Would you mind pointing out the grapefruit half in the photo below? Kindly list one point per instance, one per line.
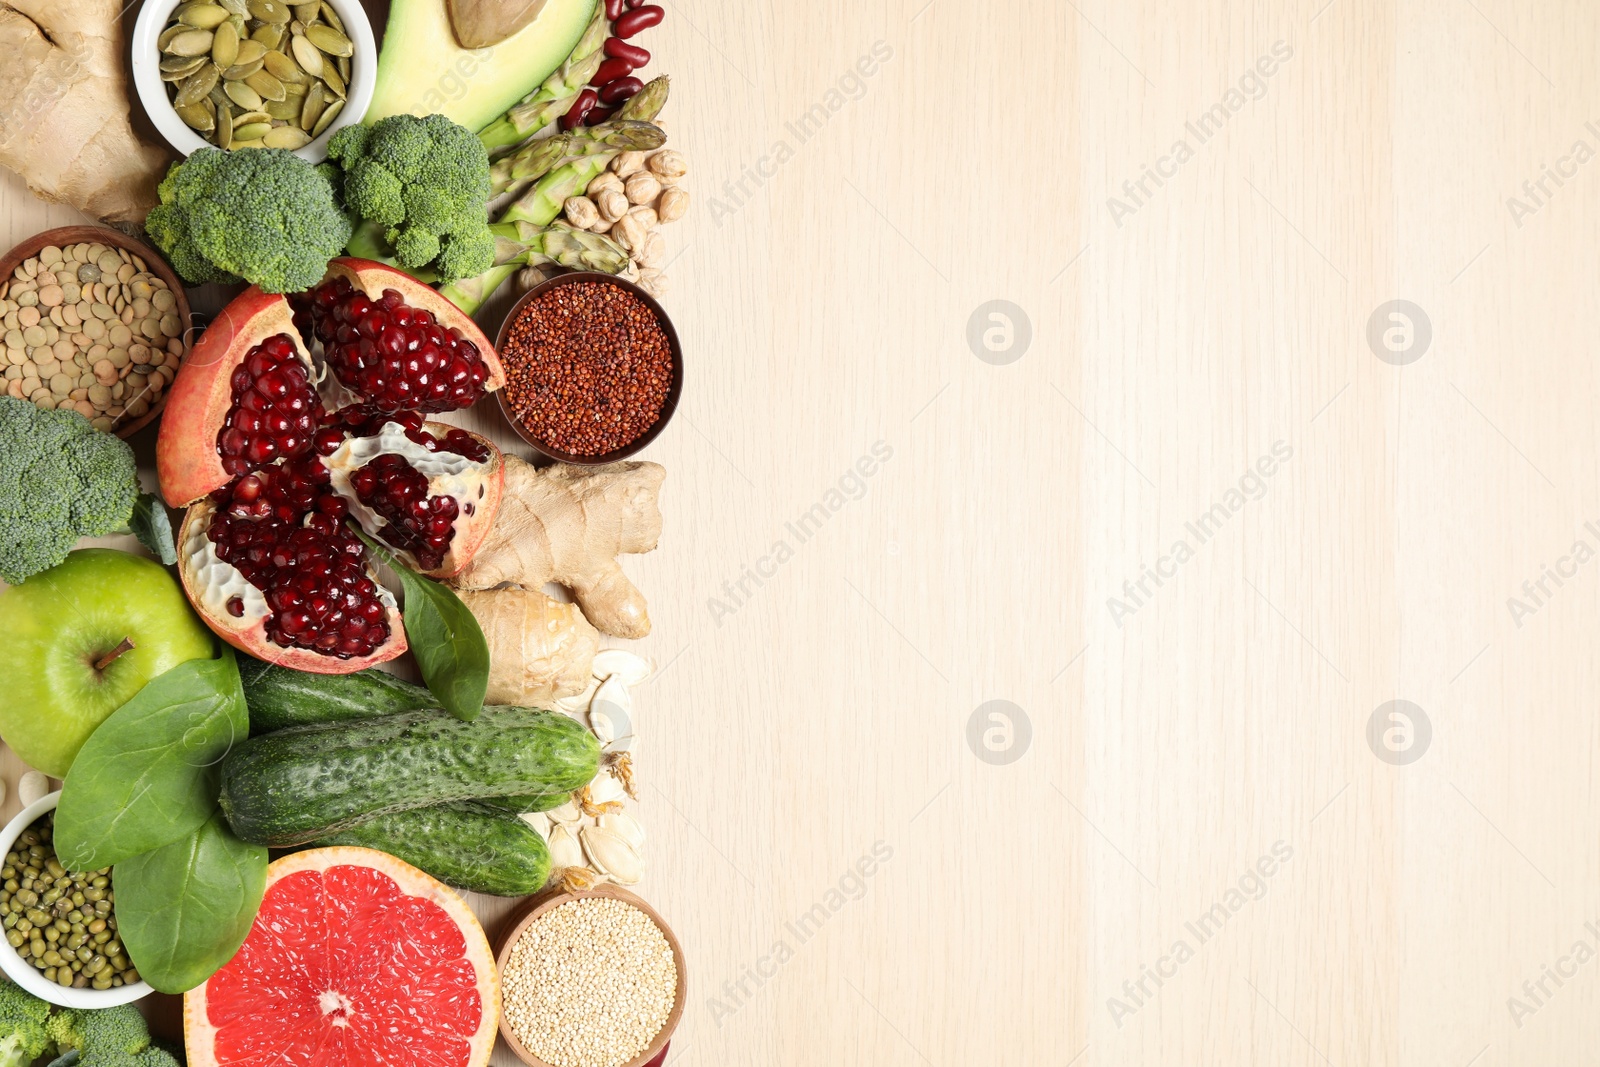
(356, 959)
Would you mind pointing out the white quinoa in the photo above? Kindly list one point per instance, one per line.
(589, 984)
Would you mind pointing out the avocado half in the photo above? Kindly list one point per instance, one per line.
(423, 70)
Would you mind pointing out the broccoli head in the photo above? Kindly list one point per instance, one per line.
(23, 1019)
(99, 1037)
(262, 215)
(426, 181)
(60, 480)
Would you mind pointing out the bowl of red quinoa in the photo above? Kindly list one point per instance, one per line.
(593, 368)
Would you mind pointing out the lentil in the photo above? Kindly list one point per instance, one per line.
(41, 902)
(56, 306)
(588, 367)
(589, 983)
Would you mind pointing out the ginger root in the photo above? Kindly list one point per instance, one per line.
(567, 525)
(539, 648)
(65, 112)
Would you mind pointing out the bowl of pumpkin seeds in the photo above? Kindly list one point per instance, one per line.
(236, 74)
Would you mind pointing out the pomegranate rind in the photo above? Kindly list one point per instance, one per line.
(200, 1033)
(470, 530)
(187, 461)
(249, 634)
(373, 278)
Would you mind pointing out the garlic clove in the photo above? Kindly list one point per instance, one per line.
(612, 854)
(621, 664)
(564, 848)
(624, 825)
(34, 785)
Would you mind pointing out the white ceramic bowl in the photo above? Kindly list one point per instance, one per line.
(155, 15)
(24, 974)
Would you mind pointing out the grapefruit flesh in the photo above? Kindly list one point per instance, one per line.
(356, 959)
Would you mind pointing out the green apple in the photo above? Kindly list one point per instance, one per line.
(79, 640)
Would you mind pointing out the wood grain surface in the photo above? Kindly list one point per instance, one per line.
(1198, 504)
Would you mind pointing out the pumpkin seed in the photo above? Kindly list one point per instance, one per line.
(311, 110)
(269, 87)
(327, 118)
(243, 95)
(344, 67)
(307, 13)
(195, 88)
(182, 64)
(217, 97)
(235, 7)
(196, 118)
(168, 34)
(203, 16)
(295, 90)
(297, 27)
(251, 131)
(282, 110)
(241, 71)
(331, 17)
(269, 35)
(331, 78)
(288, 137)
(237, 145)
(250, 51)
(225, 48)
(224, 135)
(306, 54)
(283, 68)
(330, 40)
(190, 43)
(274, 11)
(250, 117)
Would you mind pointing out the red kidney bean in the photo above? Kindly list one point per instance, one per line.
(631, 4)
(617, 48)
(580, 109)
(613, 9)
(615, 92)
(610, 71)
(640, 18)
(598, 115)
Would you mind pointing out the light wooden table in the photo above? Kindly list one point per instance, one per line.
(1197, 855)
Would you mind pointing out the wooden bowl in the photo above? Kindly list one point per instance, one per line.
(674, 387)
(535, 906)
(72, 235)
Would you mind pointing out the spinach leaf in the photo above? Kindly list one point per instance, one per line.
(444, 636)
(184, 909)
(153, 527)
(148, 776)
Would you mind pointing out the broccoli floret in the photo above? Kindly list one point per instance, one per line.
(426, 180)
(60, 480)
(263, 215)
(23, 1034)
(100, 1037)
(156, 1056)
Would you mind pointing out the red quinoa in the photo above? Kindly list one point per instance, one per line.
(588, 367)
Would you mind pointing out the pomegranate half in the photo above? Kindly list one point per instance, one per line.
(274, 475)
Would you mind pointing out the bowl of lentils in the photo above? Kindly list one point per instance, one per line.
(593, 368)
(60, 925)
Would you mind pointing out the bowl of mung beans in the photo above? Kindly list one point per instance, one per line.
(60, 925)
(94, 321)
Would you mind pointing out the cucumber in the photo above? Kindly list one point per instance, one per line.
(520, 805)
(466, 845)
(307, 782)
(279, 697)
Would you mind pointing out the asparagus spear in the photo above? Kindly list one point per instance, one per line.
(514, 173)
(522, 244)
(541, 204)
(646, 104)
(554, 97)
